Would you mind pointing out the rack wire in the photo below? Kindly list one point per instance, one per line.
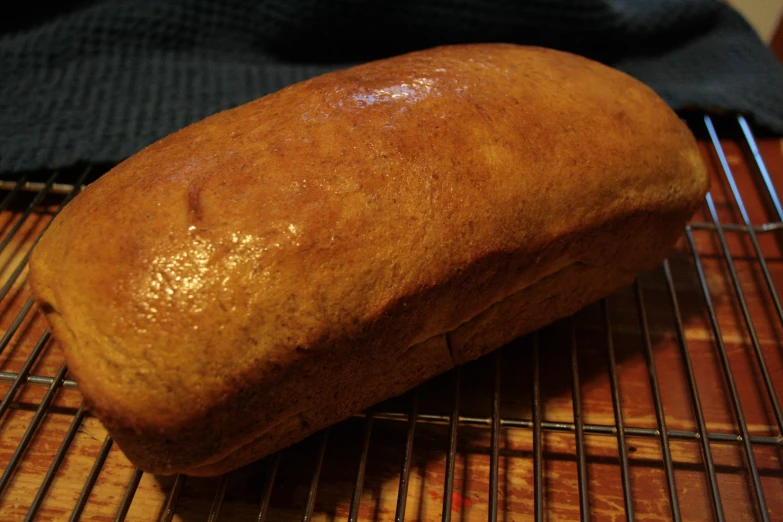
(661, 401)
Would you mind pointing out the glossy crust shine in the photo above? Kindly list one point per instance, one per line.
(280, 266)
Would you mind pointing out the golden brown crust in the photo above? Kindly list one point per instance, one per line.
(255, 267)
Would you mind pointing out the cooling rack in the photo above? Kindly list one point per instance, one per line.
(661, 402)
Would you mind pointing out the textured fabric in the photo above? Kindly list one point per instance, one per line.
(102, 79)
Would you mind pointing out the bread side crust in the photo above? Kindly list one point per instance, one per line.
(553, 297)
(559, 292)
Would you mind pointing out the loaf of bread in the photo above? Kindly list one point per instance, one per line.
(283, 265)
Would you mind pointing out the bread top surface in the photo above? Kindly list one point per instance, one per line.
(350, 208)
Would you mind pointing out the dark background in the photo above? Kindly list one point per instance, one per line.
(95, 81)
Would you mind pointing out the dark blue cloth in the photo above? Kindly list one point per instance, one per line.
(99, 80)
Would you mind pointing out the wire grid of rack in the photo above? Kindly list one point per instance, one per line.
(660, 402)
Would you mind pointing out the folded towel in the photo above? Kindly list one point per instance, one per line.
(100, 80)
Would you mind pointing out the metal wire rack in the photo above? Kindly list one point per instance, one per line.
(660, 402)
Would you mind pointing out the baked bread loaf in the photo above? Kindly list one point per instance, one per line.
(280, 266)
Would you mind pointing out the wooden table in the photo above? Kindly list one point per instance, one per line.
(631, 317)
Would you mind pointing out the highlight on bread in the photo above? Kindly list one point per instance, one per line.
(280, 266)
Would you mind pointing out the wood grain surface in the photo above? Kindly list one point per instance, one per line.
(239, 495)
